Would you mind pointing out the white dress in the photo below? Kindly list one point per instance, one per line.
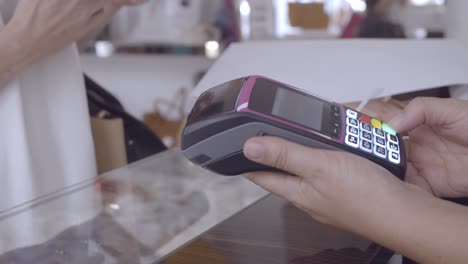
(45, 136)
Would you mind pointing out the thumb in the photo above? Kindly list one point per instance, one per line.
(427, 111)
(287, 156)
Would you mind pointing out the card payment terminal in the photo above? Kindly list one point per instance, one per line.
(226, 116)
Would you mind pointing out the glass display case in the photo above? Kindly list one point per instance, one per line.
(137, 214)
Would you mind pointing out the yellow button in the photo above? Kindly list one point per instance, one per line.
(376, 123)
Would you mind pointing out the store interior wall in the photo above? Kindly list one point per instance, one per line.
(138, 81)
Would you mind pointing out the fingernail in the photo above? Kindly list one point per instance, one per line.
(396, 120)
(254, 151)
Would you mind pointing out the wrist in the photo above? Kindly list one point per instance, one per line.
(420, 226)
(18, 44)
(380, 204)
(15, 53)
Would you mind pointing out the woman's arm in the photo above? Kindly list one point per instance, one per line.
(14, 54)
(107, 13)
(41, 28)
(37, 30)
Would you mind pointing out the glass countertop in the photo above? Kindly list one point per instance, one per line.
(137, 214)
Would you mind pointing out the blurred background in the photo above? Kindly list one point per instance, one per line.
(151, 56)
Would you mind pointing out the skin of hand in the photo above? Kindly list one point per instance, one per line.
(45, 27)
(40, 28)
(354, 194)
(437, 156)
(353, 180)
(108, 12)
(48, 26)
(437, 149)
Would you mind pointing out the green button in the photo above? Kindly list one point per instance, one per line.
(387, 128)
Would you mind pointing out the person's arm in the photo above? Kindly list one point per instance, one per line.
(354, 194)
(37, 30)
(14, 54)
(107, 15)
(420, 226)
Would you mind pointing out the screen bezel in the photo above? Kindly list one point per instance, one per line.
(201, 111)
(262, 100)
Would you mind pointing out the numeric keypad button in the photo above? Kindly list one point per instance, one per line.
(392, 138)
(366, 146)
(366, 127)
(379, 141)
(394, 157)
(351, 113)
(366, 135)
(393, 147)
(352, 141)
(353, 131)
(380, 151)
(352, 122)
(379, 132)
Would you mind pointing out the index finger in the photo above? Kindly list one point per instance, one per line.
(429, 111)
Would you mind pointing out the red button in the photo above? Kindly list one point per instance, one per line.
(365, 119)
